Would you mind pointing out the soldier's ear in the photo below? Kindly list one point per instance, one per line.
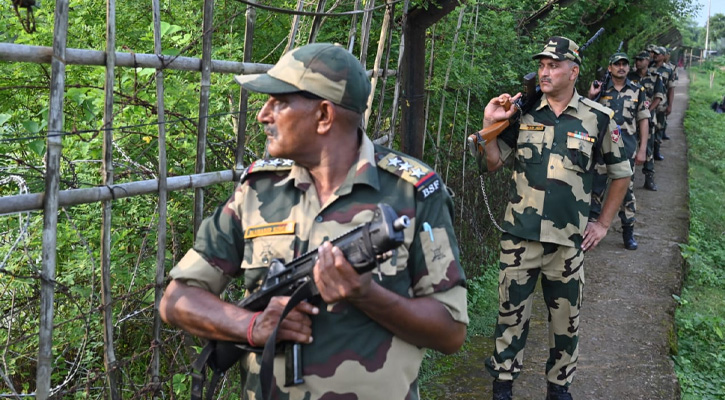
(325, 114)
(574, 72)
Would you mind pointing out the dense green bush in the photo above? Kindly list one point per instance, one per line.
(700, 318)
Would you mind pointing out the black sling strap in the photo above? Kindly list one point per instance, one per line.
(266, 374)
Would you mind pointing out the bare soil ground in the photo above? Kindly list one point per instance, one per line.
(627, 316)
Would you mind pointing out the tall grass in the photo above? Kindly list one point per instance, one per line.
(699, 354)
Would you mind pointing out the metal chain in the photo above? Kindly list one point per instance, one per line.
(488, 207)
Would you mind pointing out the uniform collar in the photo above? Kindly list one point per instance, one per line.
(363, 171)
(573, 103)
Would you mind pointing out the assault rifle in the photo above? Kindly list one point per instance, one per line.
(364, 247)
(607, 78)
(530, 98)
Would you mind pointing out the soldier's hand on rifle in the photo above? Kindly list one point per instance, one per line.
(335, 278)
(594, 89)
(296, 327)
(496, 109)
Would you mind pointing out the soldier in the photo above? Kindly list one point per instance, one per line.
(631, 112)
(675, 77)
(371, 330)
(655, 92)
(665, 107)
(546, 221)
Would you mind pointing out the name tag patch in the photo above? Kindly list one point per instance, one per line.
(277, 228)
(525, 127)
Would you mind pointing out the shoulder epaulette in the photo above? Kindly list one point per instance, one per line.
(599, 107)
(425, 180)
(633, 84)
(268, 165)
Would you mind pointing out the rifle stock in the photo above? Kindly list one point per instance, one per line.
(480, 138)
(531, 96)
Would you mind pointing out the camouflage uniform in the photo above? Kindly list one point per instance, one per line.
(668, 80)
(653, 89)
(630, 106)
(275, 213)
(550, 196)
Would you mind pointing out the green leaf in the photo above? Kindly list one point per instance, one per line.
(31, 126)
(38, 146)
(4, 118)
(76, 94)
(168, 29)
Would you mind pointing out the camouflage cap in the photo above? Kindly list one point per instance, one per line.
(560, 48)
(643, 55)
(650, 47)
(323, 69)
(658, 50)
(618, 56)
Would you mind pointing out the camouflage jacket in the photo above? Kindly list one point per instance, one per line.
(675, 74)
(668, 80)
(652, 83)
(551, 187)
(275, 213)
(629, 105)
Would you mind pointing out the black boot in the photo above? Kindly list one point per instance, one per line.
(628, 236)
(502, 390)
(656, 153)
(557, 392)
(664, 136)
(649, 182)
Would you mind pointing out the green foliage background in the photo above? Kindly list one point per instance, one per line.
(492, 54)
(700, 319)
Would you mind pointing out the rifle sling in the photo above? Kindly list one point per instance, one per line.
(198, 374)
(266, 374)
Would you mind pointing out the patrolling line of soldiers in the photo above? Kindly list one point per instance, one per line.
(641, 99)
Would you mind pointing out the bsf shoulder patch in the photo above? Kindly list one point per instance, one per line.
(616, 134)
(425, 180)
(272, 164)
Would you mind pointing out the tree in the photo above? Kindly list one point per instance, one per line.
(717, 29)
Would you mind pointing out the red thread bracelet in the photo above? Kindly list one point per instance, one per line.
(250, 327)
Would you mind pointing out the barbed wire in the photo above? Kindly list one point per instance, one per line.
(316, 14)
(55, 133)
(23, 189)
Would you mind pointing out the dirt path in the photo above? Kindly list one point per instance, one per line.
(627, 316)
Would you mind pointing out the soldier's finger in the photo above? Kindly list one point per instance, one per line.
(324, 255)
(307, 308)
